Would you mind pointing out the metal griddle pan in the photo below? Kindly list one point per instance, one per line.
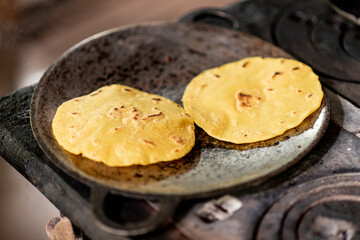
(162, 58)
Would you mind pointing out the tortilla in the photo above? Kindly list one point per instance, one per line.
(253, 99)
(121, 126)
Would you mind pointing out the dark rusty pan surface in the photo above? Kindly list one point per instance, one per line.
(162, 58)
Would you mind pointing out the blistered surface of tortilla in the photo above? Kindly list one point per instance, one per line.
(253, 99)
(121, 126)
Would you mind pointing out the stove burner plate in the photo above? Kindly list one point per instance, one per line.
(326, 207)
(326, 41)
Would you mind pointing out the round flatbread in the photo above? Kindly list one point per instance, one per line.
(121, 126)
(253, 99)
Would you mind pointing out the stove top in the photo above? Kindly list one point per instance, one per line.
(296, 202)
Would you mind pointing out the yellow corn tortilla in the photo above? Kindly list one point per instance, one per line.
(253, 99)
(121, 126)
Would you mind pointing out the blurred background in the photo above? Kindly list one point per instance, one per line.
(33, 33)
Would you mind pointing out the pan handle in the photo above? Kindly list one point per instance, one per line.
(215, 12)
(167, 207)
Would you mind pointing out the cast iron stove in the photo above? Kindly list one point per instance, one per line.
(318, 198)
